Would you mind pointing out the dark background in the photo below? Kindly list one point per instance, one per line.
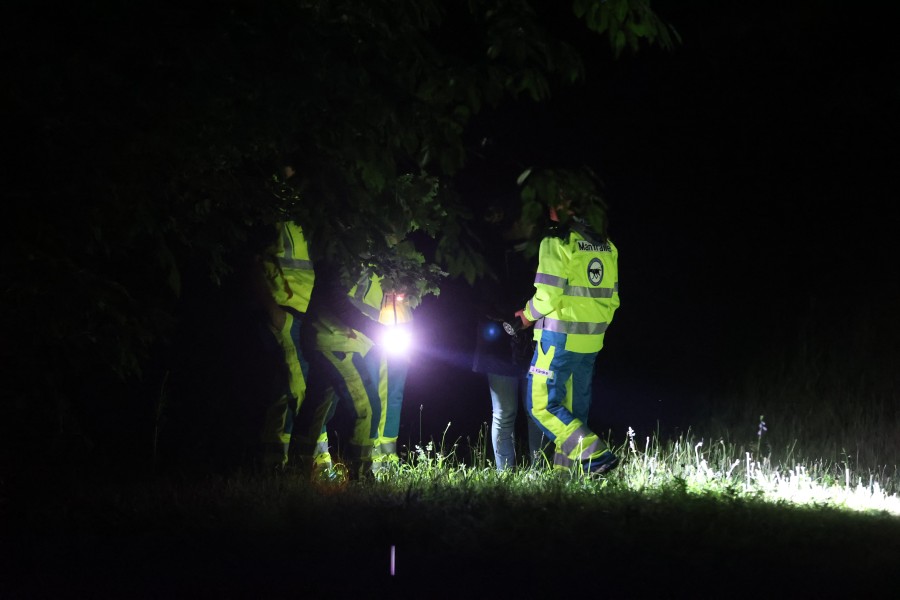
(751, 176)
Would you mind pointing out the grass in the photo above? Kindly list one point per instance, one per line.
(787, 488)
(679, 517)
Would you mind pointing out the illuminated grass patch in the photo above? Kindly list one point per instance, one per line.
(691, 464)
(434, 525)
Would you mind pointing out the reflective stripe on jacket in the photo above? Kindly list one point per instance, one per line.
(292, 279)
(576, 289)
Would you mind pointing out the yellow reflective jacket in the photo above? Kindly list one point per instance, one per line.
(369, 297)
(576, 289)
(292, 278)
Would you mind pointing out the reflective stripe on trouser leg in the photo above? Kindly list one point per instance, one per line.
(298, 367)
(322, 452)
(557, 412)
(275, 434)
(388, 448)
(309, 425)
(377, 453)
(310, 420)
(391, 386)
(279, 417)
(356, 386)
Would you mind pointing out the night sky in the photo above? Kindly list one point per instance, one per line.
(751, 175)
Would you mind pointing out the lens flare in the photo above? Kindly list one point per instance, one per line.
(397, 340)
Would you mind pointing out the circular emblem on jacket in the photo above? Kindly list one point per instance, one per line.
(595, 271)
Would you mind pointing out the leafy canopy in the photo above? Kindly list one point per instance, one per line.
(157, 133)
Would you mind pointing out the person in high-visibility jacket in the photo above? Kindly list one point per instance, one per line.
(344, 359)
(393, 310)
(576, 295)
(291, 278)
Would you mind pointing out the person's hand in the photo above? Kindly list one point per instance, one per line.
(525, 321)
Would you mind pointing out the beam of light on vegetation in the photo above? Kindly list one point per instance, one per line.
(798, 487)
(711, 469)
(720, 469)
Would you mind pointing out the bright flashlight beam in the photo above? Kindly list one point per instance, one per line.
(397, 340)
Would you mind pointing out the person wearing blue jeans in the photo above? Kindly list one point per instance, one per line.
(506, 393)
(505, 358)
(495, 355)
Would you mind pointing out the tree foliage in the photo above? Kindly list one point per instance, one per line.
(150, 138)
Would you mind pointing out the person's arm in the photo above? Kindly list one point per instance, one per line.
(330, 296)
(549, 281)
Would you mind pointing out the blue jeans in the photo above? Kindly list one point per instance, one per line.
(505, 395)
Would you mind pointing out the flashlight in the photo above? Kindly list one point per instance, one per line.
(397, 340)
(512, 328)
